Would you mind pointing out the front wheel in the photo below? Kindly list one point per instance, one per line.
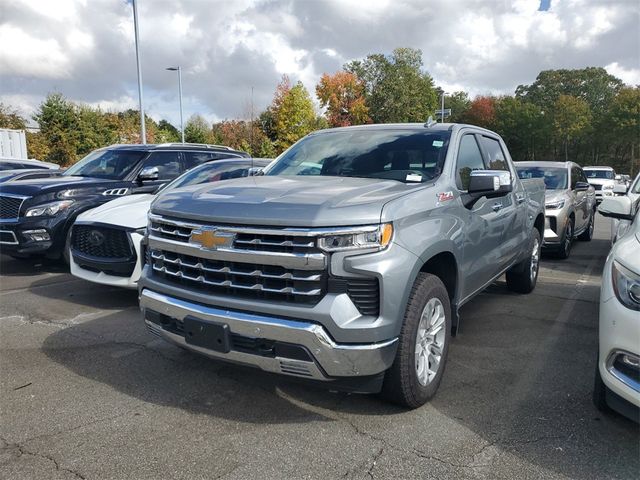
(587, 235)
(423, 344)
(567, 239)
(522, 278)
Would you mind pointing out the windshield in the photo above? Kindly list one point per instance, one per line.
(606, 174)
(110, 164)
(554, 178)
(213, 172)
(393, 154)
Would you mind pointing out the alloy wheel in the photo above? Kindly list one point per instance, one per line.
(430, 340)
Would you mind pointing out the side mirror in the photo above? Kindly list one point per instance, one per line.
(487, 183)
(618, 178)
(616, 207)
(620, 189)
(581, 186)
(149, 174)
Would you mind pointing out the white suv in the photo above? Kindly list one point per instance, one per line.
(603, 180)
(617, 382)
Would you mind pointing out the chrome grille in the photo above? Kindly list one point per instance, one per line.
(10, 206)
(242, 279)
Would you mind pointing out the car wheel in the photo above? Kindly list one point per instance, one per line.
(567, 239)
(423, 344)
(66, 252)
(587, 235)
(600, 392)
(522, 278)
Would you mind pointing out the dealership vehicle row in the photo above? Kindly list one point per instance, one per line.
(346, 260)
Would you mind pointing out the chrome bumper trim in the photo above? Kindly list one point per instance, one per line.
(333, 359)
(15, 239)
(630, 382)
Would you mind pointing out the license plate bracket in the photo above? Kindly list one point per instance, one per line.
(206, 334)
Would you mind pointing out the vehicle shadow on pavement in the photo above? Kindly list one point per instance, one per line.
(32, 266)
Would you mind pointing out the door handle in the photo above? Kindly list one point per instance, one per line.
(496, 207)
(520, 198)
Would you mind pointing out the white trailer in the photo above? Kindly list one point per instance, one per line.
(13, 143)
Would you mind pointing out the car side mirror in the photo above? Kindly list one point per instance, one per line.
(149, 174)
(616, 207)
(487, 183)
(620, 189)
(581, 186)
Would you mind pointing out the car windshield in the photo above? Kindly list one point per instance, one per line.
(606, 174)
(394, 154)
(554, 178)
(212, 172)
(110, 164)
(635, 186)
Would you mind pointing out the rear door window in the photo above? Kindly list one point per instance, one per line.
(469, 159)
(169, 164)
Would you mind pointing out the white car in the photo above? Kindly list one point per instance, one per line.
(617, 382)
(603, 180)
(619, 227)
(105, 244)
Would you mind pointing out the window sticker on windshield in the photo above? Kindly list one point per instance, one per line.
(412, 177)
(438, 143)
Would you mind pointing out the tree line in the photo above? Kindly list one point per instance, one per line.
(585, 115)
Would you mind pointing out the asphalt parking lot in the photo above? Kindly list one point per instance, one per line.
(87, 393)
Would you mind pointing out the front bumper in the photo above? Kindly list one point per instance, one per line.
(554, 224)
(15, 238)
(600, 194)
(619, 334)
(327, 359)
(129, 281)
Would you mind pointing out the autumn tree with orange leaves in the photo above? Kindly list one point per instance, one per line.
(342, 94)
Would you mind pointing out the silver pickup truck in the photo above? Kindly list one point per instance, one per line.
(348, 260)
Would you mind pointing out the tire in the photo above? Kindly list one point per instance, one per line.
(567, 239)
(600, 392)
(522, 278)
(66, 252)
(429, 307)
(587, 235)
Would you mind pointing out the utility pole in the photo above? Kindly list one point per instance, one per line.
(143, 131)
(442, 107)
(179, 70)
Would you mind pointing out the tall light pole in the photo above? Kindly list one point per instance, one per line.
(143, 132)
(179, 70)
(442, 107)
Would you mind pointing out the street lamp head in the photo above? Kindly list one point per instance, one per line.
(173, 69)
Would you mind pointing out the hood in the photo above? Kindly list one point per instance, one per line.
(32, 188)
(296, 201)
(129, 211)
(601, 181)
(553, 195)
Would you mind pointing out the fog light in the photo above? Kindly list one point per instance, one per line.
(631, 361)
(40, 235)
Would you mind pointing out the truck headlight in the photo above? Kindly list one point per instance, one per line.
(374, 236)
(626, 285)
(554, 205)
(49, 209)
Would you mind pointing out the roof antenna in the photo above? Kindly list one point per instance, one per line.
(430, 122)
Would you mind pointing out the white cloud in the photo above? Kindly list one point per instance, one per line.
(86, 49)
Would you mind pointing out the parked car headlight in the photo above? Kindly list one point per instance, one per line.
(374, 236)
(626, 285)
(49, 209)
(554, 205)
(607, 187)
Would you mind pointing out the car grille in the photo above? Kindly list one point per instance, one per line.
(261, 263)
(10, 207)
(597, 187)
(101, 242)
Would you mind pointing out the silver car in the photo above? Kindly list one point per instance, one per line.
(570, 203)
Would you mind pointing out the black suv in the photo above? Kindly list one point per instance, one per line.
(36, 215)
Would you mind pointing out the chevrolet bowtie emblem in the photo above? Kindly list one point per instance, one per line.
(212, 239)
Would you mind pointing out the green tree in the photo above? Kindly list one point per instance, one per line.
(10, 118)
(571, 120)
(197, 130)
(342, 94)
(167, 133)
(295, 117)
(58, 121)
(594, 85)
(522, 126)
(93, 130)
(396, 88)
(459, 103)
(623, 120)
